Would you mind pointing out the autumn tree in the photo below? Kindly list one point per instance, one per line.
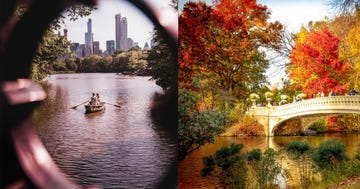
(344, 6)
(222, 41)
(221, 59)
(191, 50)
(315, 65)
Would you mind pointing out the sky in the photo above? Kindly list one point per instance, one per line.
(292, 14)
(103, 22)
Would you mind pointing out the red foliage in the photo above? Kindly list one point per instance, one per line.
(192, 24)
(315, 66)
(220, 38)
(332, 124)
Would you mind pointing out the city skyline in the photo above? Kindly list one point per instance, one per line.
(103, 20)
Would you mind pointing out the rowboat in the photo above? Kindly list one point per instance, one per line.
(94, 108)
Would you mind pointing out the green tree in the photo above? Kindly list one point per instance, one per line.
(196, 127)
(137, 60)
(120, 62)
(161, 63)
(89, 63)
(53, 46)
(105, 64)
(71, 65)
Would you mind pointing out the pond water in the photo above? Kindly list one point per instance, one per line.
(189, 169)
(120, 147)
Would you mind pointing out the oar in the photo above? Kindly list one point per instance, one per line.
(74, 107)
(113, 104)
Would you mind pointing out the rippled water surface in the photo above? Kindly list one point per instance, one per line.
(116, 148)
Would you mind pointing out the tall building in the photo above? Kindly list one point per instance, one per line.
(89, 48)
(74, 47)
(129, 43)
(65, 33)
(110, 47)
(96, 46)
(121, 37)
(146, 46)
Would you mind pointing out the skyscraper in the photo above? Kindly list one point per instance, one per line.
(96, 47)
(110, 47)
(89, 49)
(121, 37)
(146, 46)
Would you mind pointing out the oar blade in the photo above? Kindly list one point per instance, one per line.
(113, 104)
(74, 107)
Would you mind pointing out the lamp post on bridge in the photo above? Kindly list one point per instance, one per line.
(254, 97)
(268, 96)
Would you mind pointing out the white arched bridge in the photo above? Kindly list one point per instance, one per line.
(298, 116)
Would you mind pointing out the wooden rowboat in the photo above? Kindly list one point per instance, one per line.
(94, 108)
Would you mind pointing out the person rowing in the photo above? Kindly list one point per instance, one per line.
(93, 99)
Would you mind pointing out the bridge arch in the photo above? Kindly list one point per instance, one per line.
(305, 111)
(286, 126)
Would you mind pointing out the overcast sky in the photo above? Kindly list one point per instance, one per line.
(103, 22)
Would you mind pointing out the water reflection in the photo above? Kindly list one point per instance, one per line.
(116, 148)
(189, 169)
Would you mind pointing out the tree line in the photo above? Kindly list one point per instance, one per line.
(132, 61)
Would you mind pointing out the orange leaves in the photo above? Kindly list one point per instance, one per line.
(315, 64)
(222, 41)
(192, 26)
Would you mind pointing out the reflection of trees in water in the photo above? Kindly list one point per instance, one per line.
(189, 168)
(163, 113)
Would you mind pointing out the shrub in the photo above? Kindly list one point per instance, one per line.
(251, 127)
(329, 154)
(319, 126)
(297, 148)
(233, 168)
(265, 168)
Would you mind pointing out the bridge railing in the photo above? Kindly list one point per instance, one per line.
(317, 104)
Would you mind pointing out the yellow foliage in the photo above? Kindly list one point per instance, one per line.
(351, 53)
(301, 36)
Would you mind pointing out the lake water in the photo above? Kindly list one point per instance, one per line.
(117, 148)
(189, 169)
